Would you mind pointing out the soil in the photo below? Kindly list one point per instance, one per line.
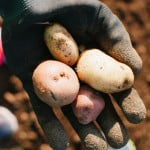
(135, 16)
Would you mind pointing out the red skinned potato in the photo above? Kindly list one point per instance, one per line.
(88, 104)
(55, 83)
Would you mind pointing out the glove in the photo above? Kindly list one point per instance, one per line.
(91, 23)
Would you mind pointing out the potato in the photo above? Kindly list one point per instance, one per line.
(88, 104)
(103, 73)
(61, 44)
(55, 83)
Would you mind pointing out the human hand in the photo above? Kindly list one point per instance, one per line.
(92, 24)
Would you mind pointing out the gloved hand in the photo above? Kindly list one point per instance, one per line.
(91, 23)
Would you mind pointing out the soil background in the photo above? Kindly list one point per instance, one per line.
(135, 15)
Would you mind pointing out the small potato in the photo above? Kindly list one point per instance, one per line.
(55, 83)
(61, 44)
(88, 104)
(103, 73)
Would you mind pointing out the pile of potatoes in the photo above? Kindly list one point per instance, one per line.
(78, 78)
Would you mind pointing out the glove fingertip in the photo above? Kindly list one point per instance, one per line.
(132, 105)
(112, 126)
(94, 142)
(129, 56)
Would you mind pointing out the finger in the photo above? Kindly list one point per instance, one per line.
(113, 38)
(90, 136)
(131, 104)
(53, 129)
(113, 128)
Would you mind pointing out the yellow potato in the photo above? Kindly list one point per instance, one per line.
(61, 44)
(55, 83)
(103, 73)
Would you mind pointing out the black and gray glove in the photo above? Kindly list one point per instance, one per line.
(91, 23)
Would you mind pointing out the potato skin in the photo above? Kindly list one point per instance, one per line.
(61, 44)
(88, 104)
(55, 83)
(103, 73)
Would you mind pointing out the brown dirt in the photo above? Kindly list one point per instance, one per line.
(135, 16)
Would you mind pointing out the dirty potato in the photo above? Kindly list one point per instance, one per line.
(61, 44)
(103, 73)
(55, 83)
